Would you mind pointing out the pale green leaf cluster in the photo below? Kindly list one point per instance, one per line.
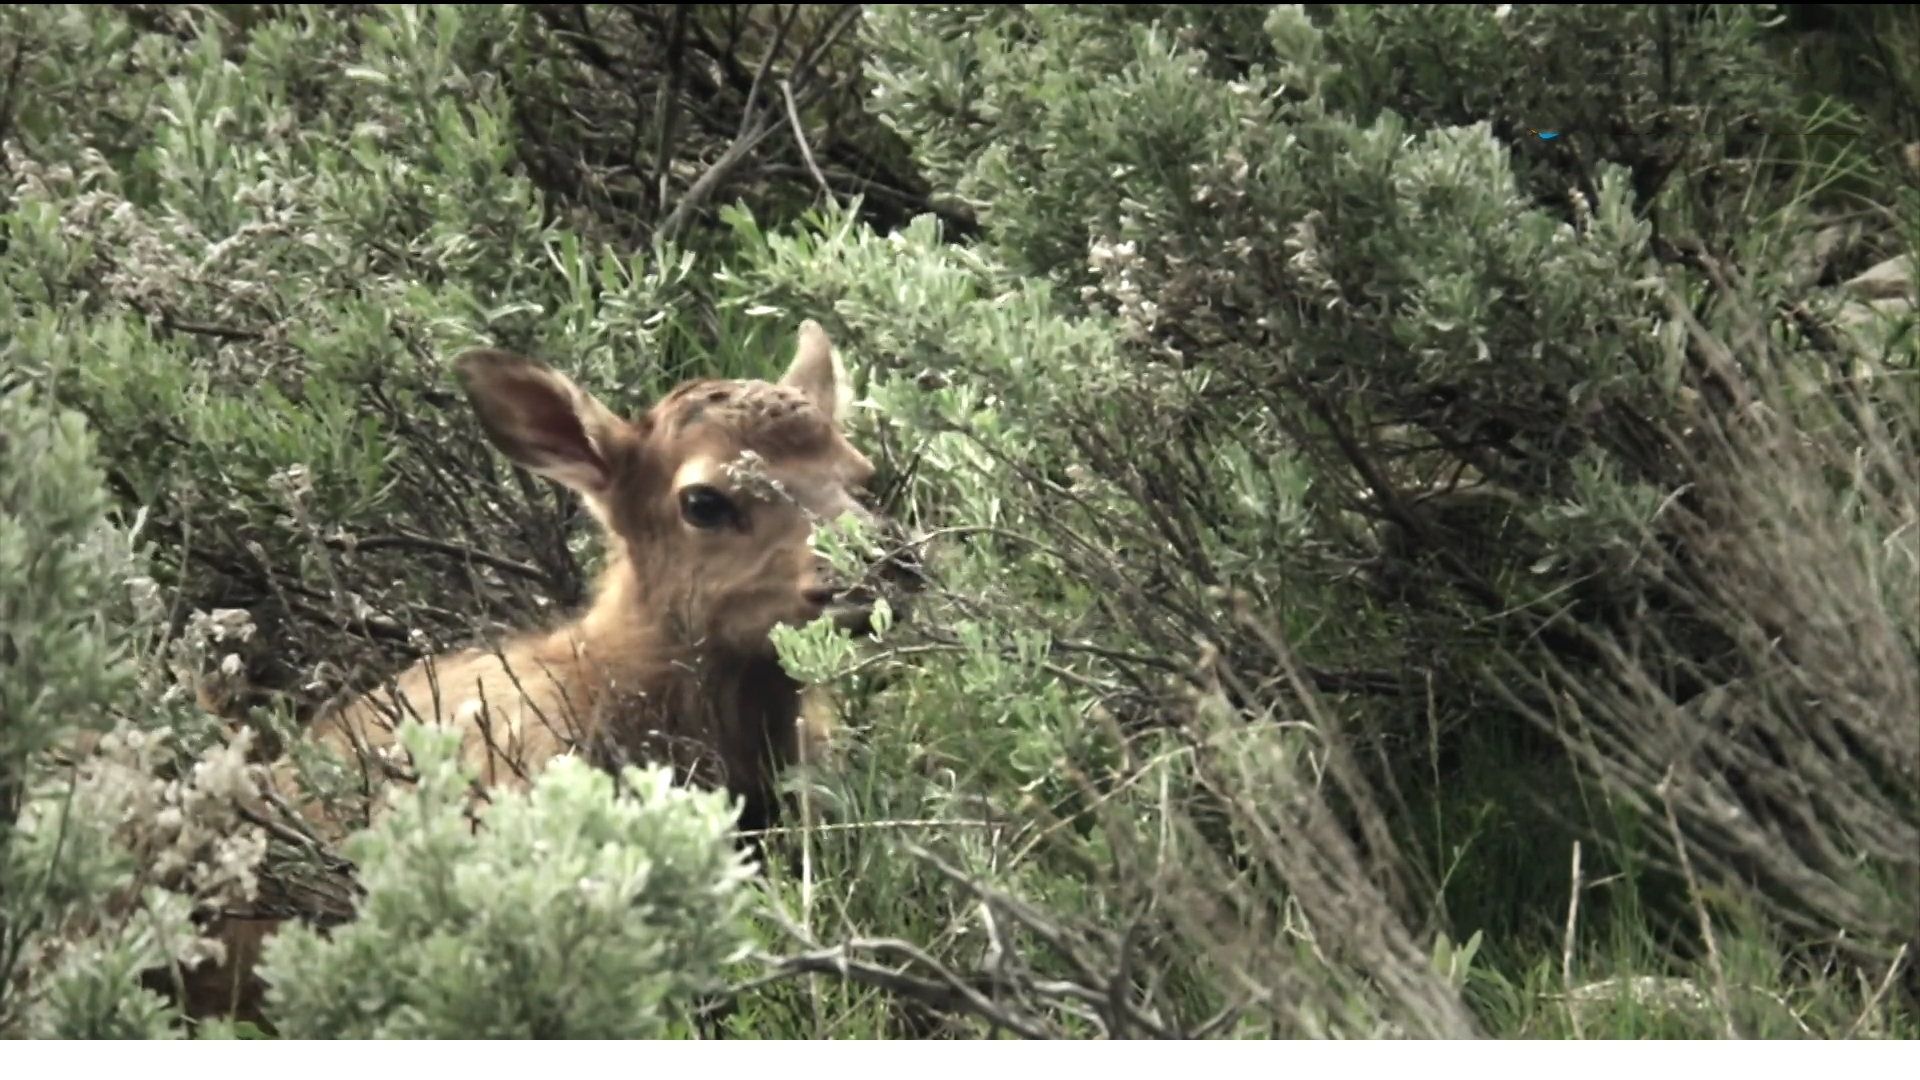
(76, 922)
(572, 913)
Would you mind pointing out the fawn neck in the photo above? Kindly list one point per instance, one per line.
(720, 717)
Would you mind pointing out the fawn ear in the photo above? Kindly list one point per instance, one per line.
(540, 419)
(817, 372)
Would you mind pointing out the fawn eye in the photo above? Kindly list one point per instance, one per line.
(705, 507)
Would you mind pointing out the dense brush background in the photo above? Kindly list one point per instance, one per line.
(1396, 575)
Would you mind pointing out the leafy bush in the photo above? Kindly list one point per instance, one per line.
(85, 852)
(1259, 352)
(572, 915)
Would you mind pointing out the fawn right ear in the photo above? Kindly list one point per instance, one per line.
(540, 419)
(817, 372)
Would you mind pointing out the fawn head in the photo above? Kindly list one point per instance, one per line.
(711, 498)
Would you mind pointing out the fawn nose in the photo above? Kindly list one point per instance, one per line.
(821, 595)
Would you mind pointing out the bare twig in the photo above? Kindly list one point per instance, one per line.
(863, 826)
(406, 541)
(1699, 909)
(1566, 945)
(800, 137)
(1879, 994)
(667, 108)
(747, 117)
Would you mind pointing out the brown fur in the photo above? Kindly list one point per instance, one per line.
(671, 662)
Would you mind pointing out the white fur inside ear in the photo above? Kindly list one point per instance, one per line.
(842, 388)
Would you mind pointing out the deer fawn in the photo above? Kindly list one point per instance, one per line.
(709, 503)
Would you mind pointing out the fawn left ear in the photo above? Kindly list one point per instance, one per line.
(817, 372)
(541, 420)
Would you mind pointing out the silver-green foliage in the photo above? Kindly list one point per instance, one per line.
(75, 927)
(571, 914)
